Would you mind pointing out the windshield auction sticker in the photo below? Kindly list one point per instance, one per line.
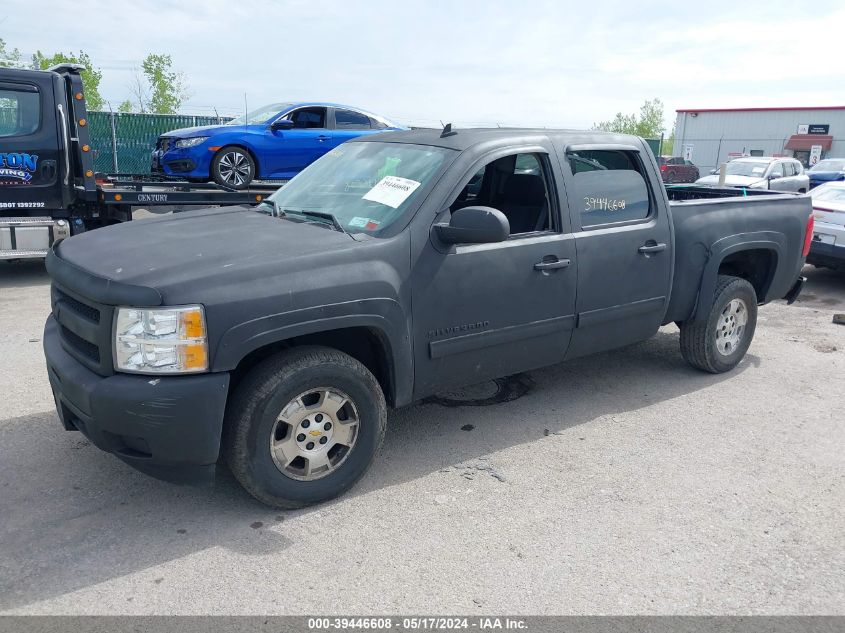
(392, 191)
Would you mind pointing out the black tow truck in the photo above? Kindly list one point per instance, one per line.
(49, 189)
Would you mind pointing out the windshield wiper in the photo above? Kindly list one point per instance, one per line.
(274, 208)
(323, 215)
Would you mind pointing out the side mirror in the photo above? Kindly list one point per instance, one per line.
(474, 225)
(282, 124)
(775, 176)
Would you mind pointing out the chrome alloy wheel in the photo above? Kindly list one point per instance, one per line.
(314, 433)
(730, 327)
(234, 168)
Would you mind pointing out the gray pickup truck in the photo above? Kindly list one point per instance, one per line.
(396, 266)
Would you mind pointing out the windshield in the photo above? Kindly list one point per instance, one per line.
(754, 169)
(365, 186)
(831, 193)
(830, 164)
(261, 115)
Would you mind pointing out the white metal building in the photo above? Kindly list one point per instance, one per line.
(709, 137)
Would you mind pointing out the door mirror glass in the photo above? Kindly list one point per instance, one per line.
(282, 124)
(474, 225)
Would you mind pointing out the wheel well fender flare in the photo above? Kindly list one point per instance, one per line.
(389, 326)
(761, 240)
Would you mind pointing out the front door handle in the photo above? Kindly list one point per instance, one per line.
(651, 248)
(48, 170)
(323, 138)
(551, 264)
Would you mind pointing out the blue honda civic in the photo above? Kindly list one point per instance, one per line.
(274, 142)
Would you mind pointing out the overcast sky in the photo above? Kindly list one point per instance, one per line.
(515, 62)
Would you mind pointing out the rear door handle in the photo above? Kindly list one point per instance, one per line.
(551, 264)
(652, 248)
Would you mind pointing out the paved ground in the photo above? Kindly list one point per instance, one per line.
(624, 483)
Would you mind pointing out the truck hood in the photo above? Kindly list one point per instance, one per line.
(183, 254)
(732, 181)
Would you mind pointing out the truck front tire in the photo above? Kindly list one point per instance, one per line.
(717, 344)
(304, 426)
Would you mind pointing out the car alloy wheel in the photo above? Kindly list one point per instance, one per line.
(730, 327)
(235, 168)
(314, 433)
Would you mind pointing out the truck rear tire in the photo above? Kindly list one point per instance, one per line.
(717, 344)
(303, 426)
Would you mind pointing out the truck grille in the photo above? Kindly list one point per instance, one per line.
(84, 309)
(88, 349)
(85, 329)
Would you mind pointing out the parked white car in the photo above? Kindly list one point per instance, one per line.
(762, 172)
(828, 246)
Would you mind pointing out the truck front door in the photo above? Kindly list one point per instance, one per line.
(30, 179)
(488, 310)
(623, 244)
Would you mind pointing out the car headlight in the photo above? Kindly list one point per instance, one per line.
(160, 340)
(182, 143)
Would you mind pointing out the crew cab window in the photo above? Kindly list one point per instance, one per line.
(517, 186)
(308, 118)
(351, 120)
(609, 187)
(20, 111)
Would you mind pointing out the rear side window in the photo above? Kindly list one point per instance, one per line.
(609, 187)
(20, 111)
(351, 120)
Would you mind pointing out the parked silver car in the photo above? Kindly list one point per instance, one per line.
(762, 172)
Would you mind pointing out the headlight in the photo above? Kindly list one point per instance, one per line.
(160, 340)
(182, 143)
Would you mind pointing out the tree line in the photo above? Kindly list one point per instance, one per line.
(156, 86)
(648, 123)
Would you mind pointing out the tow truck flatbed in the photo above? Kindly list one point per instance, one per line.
(48, 187)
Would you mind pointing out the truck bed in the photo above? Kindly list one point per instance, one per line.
(709, 223)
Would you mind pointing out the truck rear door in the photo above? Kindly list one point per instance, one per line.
(29, 144)
(623, 246)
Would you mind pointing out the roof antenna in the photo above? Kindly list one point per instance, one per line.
(447, 131)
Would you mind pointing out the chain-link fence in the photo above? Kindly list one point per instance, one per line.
(122, 143)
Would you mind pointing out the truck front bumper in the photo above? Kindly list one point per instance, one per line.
(168, 427)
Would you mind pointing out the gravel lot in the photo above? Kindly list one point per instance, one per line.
(623, 483)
